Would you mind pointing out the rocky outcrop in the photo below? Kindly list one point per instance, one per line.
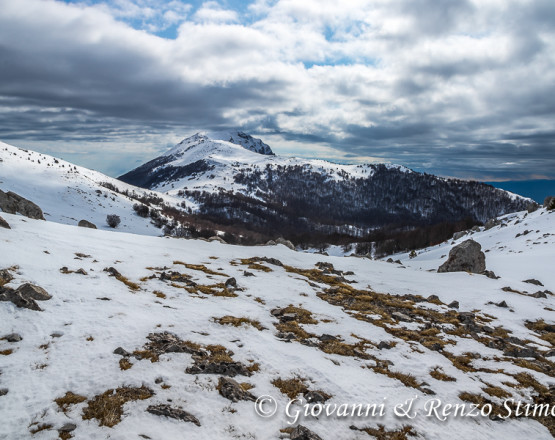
(465, 257)
(86, 224)
(224, 368)
(549, 202)
(5, 276)
(25, 296)
(13, 203)
(232, 390)
(4, 224)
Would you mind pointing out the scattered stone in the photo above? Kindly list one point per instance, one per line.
(4, 223)
(454, 305)
(13, 337)
(68, 427)
(491, 223)
(172, 413)
(432, 298)
(122, 352)
(86, 224)
(231, 282)
(502, 304)
(549, 202)
(13, 203)
(232, 390)
(465, 257)
(490, 274)
(81, 271)
(302, 433)
(286, 243)
(56, 335)
(3, 391)
(104, 298)
(248, 274)
(158, 380)
(326, 337)
(520, 352)
(458, 235)
(475, 228)
(532, 207)
(533, 281)
(231, 369)
(316, 397)
(389, 260)
(270, 243)
(112, 271)
(398, 261)
(539, 294)
(7, 294)
(384, 345)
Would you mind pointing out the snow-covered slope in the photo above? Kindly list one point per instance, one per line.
(362, 332)
(68, 193)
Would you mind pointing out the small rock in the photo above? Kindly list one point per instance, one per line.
(121, 351)
(231, 369)
(539, 294)
(112, 271)
(248, 274)
(389, 260)
(533, 281)
(384, 345)
(158, 380)
(315, 397)
(172, 413)
(81, 271)
(458, 235)
(68, 427)
(232, 390)
(13, 337)
(433, 298)
(302, 433)
(326, 337)
(3, 391)
(490, 274)
(400, 316)
(231, 282)
(56, 335)
(4, 223)
(398, 261)
(502, 304)
(86, 224)
(454, 305)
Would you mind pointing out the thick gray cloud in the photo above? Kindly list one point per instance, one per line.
(458, 88)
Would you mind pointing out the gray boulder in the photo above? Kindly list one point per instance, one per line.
(465, 257)
(491, 223)
(86, 224)
(549, 202)
(13, 203)
(532, 207)
(34, 292)
(216, 238)
(286, 243)
(458, 235)
(4, 224)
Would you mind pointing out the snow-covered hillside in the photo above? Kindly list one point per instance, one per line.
(68, 193)
(355, 331)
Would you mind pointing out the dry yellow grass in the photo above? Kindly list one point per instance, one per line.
(438, 374)
(201, 268)
(237, 322)
(69, 399)
(159, 294)
(290, 387)
(107, 407)
(124, 364)
(6, 352)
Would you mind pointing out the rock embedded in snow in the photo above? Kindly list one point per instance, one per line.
(549, 202)
(5, 276)
(232, 390)
(13, 337)
(4, 224)
(459, 234)
(13, 203)
(533, 281)
(34, 292)
(172, 413)
(302, 433)
(86, 224)
(286, 243)
(465, 257)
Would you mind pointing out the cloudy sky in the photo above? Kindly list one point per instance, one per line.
(453, 87)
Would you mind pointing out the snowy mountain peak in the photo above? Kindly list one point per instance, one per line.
(216, 140)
